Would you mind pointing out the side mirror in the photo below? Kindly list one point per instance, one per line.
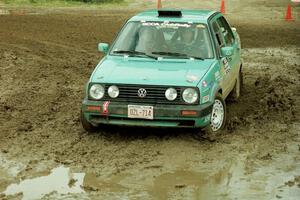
(103, 47)
(226, 51)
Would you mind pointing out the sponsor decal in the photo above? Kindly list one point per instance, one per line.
(166, 24)
(217, 75)
(191, 78)
(205, 99)
(226, 66)
(211, 84)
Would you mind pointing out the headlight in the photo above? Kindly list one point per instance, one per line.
(171, 94)
(113, 91)
(96, 91)
(190, 95)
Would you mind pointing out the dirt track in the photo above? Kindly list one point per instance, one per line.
(45, 61)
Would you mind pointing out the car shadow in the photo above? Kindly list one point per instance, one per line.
(125, 133)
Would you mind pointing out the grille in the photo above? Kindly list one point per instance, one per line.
(155, 94)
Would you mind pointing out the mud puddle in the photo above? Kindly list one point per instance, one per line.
(59, 183)
(277, 179)
(229, 182)
(203, 184)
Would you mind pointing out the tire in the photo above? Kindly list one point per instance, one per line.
(218, 117)
(87, 126)
(236, 91)
(242, 82)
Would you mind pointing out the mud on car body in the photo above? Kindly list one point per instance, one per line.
(166, 68)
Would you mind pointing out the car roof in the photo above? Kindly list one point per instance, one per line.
(186, 15)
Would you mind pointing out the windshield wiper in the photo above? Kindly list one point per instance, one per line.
(181, 55)
(134, 53)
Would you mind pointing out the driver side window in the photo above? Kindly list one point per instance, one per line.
(226, 31)
(218, 34)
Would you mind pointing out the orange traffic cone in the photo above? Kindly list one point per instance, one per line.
(158, 4)
(288, 16)
(223, 6)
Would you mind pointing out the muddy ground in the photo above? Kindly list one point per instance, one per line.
(47, 57)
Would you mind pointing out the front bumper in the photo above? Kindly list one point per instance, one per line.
(116, 113)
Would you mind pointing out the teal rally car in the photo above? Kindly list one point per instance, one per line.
(166, 68)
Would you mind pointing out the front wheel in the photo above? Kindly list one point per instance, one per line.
(218, 116)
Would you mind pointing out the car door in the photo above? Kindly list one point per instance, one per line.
(230, 63)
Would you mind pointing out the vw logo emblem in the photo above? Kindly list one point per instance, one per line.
(142, 93)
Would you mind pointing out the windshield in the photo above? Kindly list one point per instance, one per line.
(164, 39)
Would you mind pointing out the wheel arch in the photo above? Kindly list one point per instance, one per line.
(215, 91)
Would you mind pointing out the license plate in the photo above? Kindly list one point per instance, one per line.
(141, 112)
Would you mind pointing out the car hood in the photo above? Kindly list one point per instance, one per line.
(180, 72)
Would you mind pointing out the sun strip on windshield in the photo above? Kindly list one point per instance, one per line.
(166, 24)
